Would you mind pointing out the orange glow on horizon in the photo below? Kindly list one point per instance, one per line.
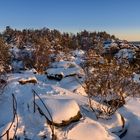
(126, 34)
(129, 37)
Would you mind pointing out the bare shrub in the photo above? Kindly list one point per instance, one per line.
(4, 56)
(4, 64)
(109, 82)
(41, 54)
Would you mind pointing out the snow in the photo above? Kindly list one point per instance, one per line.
(78, 53)
(11, 133)
(132, 112)
(28, 80)
(17, 65)
(62, 103)
(65, 68)
(72, 84)
(111, 44)
(133, 106)
(115, 124)
(60, 109)
(89, 130)
(18, 56)
(63, 64)
(126, 53)
(6, 109)
(64, 100)
(31, 71)
(136, 78)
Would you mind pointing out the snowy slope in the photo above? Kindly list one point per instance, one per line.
(33, 125)
(64, 100)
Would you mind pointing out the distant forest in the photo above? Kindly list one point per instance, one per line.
(54, 38)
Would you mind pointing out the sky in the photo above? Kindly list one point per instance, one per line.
(118, 17)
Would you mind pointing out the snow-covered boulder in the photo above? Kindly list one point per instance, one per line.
(28, 80)
(53, 74)
(90, 130)
(116, 124)
(63, 111)
(63, 69)
(126, 54)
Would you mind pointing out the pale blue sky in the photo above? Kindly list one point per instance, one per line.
(119, 17)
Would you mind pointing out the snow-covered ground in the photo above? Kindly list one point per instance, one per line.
(67, 108)
(132, 113)
(62, 104)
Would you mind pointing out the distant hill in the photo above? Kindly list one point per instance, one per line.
(135, 42)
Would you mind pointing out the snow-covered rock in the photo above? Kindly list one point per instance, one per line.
(90, 130)
(28, 80)
(116, 124)
(64, 69)
(63, 111)
(125, 54)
